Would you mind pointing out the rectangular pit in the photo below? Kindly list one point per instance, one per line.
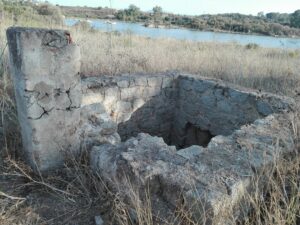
(184, 110)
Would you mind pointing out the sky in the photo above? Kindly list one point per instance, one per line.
(195, 7)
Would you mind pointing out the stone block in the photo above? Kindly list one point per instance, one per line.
(140, 81)
(129, 93)
(124, 83)
(154, 81)
(149, 92)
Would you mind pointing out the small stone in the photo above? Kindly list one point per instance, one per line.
(129, 93)
(99, 220)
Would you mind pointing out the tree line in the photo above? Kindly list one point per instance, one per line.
(275, 24)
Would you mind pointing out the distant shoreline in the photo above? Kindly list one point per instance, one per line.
(187, 28)
(234, 23)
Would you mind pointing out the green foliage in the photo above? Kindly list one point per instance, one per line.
(273, 24)
(261, 14)
(294, 54)
(236, 23)
(133, 10)
(130, 14)
(295, 19)
(25, 12)
(14, 8)
(282, 18)
(252, 46)
(157, 10)
(49, 10)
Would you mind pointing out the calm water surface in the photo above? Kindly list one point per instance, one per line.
(194, 35)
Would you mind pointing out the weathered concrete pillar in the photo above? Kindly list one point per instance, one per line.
(45, 67)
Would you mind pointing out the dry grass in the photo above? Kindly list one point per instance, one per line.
(277, 202)
(75, 194)
(273, 70)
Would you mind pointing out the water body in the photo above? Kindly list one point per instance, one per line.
(193, 35)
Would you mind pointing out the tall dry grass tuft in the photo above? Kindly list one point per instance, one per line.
(278, 202)
(8, 118)
(273, 199)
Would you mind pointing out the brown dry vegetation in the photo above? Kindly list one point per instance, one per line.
(74, 195)
(274, 70)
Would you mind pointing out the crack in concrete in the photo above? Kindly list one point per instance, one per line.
(45, 112)
(69, 108)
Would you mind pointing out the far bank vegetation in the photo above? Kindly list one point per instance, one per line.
(272, 24)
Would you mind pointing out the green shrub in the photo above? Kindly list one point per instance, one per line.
(294, 54)
(252, 46)
(51, 11)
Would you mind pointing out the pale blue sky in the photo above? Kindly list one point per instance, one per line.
(194, 7)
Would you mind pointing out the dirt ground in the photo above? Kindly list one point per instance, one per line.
(62, 197)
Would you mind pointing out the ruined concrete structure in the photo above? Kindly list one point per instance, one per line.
(45, 69)
(186, 137)
(183, 109)
(209, 138)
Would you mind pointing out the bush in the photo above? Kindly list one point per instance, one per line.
(252, 46)
(294, 54)
(295, 19)
(83, 25)
(50, 11)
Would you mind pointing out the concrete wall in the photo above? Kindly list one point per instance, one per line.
(218, 108)
(45, 68)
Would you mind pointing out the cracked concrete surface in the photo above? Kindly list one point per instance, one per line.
(45, 68)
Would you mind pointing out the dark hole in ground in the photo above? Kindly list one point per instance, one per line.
(157, 118)
(140, 123)
(192, 113)
(195, 136)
